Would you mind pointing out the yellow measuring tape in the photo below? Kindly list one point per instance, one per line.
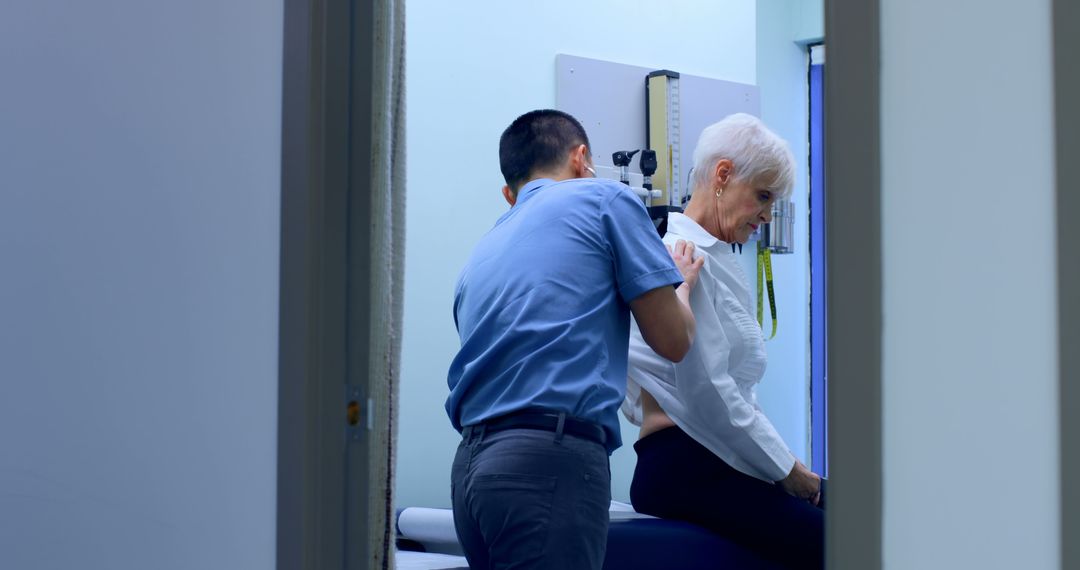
(764, 273)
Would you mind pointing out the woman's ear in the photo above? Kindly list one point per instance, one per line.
(723, 171)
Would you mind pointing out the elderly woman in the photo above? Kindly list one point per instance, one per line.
(706, 453)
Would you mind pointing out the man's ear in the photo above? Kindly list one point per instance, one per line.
(511, 197)
(579, 159)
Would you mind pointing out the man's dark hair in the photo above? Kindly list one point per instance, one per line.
(538, 140)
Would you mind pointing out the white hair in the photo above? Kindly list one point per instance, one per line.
(758, 155)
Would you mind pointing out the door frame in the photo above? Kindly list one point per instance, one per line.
(1066, 44)
(853, 521)
(325, 295)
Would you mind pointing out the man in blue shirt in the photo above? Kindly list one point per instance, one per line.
(543, 311)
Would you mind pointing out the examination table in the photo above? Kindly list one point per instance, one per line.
(427, 541)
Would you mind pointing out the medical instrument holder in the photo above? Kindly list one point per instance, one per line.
(621, 158)
(778, 235)
(647, 163)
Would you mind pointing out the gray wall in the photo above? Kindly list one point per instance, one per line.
(139, 207)
(970, 428)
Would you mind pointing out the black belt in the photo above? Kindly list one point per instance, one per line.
(547, 421)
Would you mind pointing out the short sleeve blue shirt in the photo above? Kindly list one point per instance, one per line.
(542, 305)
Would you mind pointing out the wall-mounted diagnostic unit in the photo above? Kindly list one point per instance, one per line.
(608, 99)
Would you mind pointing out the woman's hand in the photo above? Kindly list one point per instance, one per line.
(802, 483)
(683, 255)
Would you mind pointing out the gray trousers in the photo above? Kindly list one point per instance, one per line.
(531, 499)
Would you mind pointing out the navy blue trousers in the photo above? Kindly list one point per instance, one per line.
(678, 478)
(531, 499)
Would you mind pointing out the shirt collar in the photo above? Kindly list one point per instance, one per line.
(531, 188)
(686, 227)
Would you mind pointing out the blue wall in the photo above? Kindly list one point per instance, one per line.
(781, 70)
(809, 18)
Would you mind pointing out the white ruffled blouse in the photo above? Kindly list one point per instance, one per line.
(710, 393)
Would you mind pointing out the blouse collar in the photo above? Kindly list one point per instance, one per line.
(687, 227)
